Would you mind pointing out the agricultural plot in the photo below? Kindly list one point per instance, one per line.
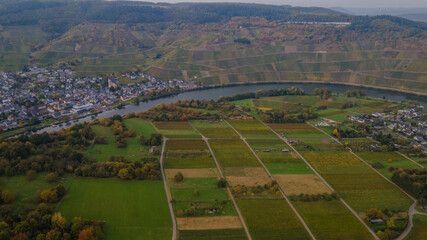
(271, 219)
(187, 154)
(222, 234)
(176, 129)
(382, 161)
(419, 231)
(215, 129)
(142, 127)
(331, 220)
(131, 209)
(244, 103)
(233, 153)
(358, 184)
(278, 157)
(252, 129)
(133, 151)
(301, 184)
(306, 100)
(297, 130)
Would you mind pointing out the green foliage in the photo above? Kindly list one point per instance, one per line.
(222, 183)
(179, 177)
(242, 41)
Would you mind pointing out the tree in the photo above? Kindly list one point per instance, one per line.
(196, 193)
(124, 174)
(179, 177)
(52, 177)
(58, 221)
(31, 175)
(7, 196)
(86, 234)
(221, 183)
(49, 196)
(374, 213)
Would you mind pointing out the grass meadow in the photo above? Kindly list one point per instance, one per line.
(131, 209)
(233, 153)
(142, 127)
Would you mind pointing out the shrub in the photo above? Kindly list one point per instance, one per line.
(179, 177)
(221, 183)
(196, 193)
(31, 175)
(7, 196)
(52, 177)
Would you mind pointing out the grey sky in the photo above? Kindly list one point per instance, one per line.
(328, 3)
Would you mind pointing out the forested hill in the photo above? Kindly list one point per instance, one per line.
(214, 43)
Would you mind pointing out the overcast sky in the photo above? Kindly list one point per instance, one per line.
(328, 3)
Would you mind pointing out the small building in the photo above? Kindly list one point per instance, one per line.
(376, 221)
(285, 150)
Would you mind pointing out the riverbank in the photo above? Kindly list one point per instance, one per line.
(213, 92)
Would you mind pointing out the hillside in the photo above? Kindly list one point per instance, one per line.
(215, 43)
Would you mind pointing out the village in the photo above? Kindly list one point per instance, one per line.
(404, 123)
(35, 94)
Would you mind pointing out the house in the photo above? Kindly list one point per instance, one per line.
(376, 221)
(323, 124)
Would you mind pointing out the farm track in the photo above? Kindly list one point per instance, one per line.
(403, 155)
(411, 210)
(280, 188)
(228, 188)
(167, 190)
(324, 181)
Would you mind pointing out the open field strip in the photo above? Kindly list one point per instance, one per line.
(325, 182)
(143, 127)
(410, 159)
(297, 130)
(251, 128)
(214, 129)
(191, 210)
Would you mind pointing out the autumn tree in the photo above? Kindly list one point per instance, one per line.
(7, 196)
(179, 177)
(52, 177)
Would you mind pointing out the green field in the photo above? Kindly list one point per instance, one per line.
(233, 153)
(131, 209)
(297, 130)
(102, 152)
(277, 161)
(142, 127)
(176, 130)
(25, 191)
(357, 183)
(215, 129)
(271, 219)
(252, 129)
(187, 154)
(387, 159)
(222, 234)
(331, 220)
(419, 231)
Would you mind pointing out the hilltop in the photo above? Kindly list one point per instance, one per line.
(214, 44)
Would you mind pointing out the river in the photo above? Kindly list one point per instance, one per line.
(215, 93)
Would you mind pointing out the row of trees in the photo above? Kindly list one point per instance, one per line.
(285, 117)
(413, 181)
(264, 93)
(314, 197)
(122, 170)
(43, 223)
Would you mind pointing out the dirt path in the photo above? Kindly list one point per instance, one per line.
(403, 155)
(167, 190)
(324, 181)
(280, 188)
(228, 189)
